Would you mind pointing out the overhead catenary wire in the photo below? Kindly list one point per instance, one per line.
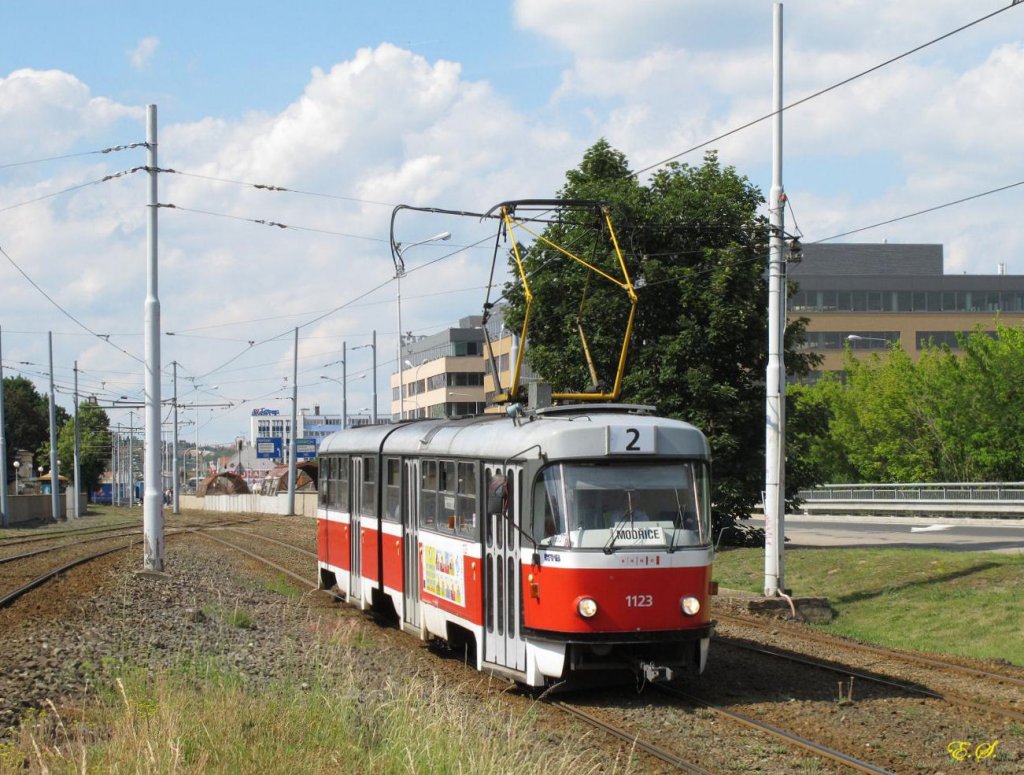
(923, 212)
(276, 224)
(826, 90)
(262, 186)
(111, 149)
(69, 189)
(63, 311)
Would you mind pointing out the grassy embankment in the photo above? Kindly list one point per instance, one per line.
(201, 721)
(964, 603)
(204, 716)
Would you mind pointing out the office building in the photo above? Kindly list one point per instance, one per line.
(868, 296)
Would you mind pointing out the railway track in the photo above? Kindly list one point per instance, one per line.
(665, 733)
(808, 634)
(850, 673)
(57, 534)
(784, 736)
(27, 573)
(977, 688)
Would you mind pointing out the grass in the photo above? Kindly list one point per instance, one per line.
(962, 603)
(205, 721)
(283, 586)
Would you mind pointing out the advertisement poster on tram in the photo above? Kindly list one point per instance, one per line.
(442, 575)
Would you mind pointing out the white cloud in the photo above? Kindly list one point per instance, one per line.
(386, 126)
(143, 53)
(49, 111)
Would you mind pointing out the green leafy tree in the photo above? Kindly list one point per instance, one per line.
(26, 418)
(947, 417)
(695, 248)
(93, 445)
(990, 400)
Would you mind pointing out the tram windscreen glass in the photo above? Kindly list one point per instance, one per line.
(622, 506)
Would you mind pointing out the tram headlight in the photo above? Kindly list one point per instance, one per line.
(690, 605)
(586, 607)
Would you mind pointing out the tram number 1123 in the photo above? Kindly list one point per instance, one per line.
(639, 601)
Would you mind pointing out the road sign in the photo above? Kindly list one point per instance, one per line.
(305, 448)
(268, 446)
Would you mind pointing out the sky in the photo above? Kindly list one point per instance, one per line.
(357, 107)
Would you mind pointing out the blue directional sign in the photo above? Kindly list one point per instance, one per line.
(305, 448)
(268, 446)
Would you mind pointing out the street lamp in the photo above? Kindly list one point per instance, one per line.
(344, 395)
(857, 338)
(344, 379)
(373, 346)
(17, 465)
(195, 406)
(415, 379)
(397, 248)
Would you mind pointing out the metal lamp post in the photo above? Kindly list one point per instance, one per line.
(344, 395)
(195, 406)
(373, 346)
(17, 487)
(399, 250)
(858, 338)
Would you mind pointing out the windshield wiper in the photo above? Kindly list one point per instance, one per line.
(608, 547)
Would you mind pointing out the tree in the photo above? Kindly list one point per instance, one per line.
(944, 418)
(695, 248)
(93, 445)
(26, 418)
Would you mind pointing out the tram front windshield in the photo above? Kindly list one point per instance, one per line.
(622, 506)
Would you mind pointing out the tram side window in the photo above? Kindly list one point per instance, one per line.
(466, 501)
(340, 497)
(334, 482)
(369, 486)
(446, 495)
(392, 489)
(323, 490)
(428, 493)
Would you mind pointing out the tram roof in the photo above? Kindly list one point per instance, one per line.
(579, 431)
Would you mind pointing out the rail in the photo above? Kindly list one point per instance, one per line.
(961, 498)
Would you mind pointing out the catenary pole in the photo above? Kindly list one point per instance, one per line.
(374, 416)
(174, 454)
(54, 472)
(152, 502)
(292, 459)
(4, 504)
(76, 509)
(344, 385)
(775, 418)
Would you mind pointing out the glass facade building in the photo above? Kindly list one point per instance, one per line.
(870, 296)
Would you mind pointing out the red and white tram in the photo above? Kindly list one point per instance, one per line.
(573, 539)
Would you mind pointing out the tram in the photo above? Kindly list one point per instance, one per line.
(567, 542)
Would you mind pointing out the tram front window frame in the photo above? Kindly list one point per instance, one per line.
(612, 506)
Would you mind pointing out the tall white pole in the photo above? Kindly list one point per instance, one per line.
(344, 385)
(77, 476)
(401, 360)
(54, 472)
(174, 451)
(293, 461)
(115, 453)
(4, 506)
(775, 418)
(375, 376)
(152, 499)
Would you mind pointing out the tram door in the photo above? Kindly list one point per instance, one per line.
(503, 641)
(355, 582)
(410, 544)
